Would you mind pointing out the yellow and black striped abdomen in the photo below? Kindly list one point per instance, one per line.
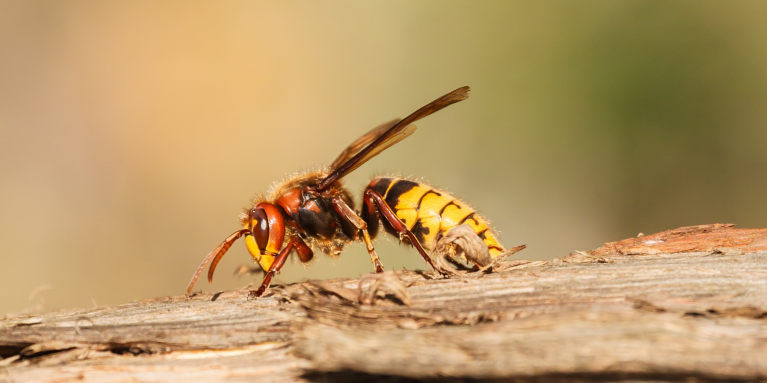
(427, 212)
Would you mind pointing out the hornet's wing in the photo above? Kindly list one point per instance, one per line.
(394, 134)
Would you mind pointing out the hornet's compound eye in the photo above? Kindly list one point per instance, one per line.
(260, 227)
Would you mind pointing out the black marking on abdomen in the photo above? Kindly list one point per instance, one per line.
(481, 234)
(448, 204)
(418, 207)
(399, 188)
(420, 232)
(382, 185)
(467, 217)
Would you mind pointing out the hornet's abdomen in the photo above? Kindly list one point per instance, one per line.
(428, 212)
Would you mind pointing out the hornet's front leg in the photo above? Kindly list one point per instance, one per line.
(295, 243)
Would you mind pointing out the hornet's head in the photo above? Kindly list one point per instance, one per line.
(264, 231)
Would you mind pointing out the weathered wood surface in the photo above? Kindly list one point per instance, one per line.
(592, 316)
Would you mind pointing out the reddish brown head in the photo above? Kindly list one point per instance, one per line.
(264, 231)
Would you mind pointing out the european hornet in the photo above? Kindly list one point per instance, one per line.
(315, 209)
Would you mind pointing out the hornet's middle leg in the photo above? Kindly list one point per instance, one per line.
(347, 213)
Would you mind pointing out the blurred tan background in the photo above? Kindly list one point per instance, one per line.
(132, 133)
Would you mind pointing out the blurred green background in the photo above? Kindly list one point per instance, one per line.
(132, 133)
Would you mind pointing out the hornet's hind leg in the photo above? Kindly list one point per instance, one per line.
(374, 202)
(463, 240)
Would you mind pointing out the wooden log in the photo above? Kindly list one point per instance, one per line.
(608, 314)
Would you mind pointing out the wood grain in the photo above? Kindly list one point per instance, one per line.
(591, 316)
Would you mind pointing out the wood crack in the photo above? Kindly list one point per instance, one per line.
(592, 316)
